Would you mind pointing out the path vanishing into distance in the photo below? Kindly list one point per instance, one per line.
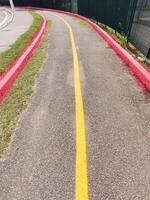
(86, 132)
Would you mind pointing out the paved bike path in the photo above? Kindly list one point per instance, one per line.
(40, 163)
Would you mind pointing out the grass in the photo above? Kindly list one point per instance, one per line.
(8, 56)
(147, 8)
(18, 97)
(80, 22)
(122, 40)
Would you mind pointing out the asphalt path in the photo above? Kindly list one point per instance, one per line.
(42, 161)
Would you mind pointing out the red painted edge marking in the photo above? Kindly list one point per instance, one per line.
(137, 69)
(15, 68)
(10, 65)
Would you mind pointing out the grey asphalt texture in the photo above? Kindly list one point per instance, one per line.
(40, 161)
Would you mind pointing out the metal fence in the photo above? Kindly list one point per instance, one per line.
(140, 32)
(57, 4)
(117, 14)
(129, 17)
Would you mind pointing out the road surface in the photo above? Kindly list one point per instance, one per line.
(47, 159)
(22, 20)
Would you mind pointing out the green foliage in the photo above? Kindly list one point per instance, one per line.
(2, 2)
(147, 8)
(16, 100)
(9, 55)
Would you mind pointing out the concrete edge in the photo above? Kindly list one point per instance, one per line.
(15, 68)
(136, 68)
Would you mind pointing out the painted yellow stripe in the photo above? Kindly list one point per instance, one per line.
(81, 178)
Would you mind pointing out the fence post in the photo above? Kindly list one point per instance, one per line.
(74, 6)
(12, 5)
(148, 54)
(134, 5)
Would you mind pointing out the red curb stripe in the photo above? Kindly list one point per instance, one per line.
(9, 76)
(137, 69)
(10, 65)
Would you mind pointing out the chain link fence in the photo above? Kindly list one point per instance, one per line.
(131, 18)
(56, 4)
(118, 14)
(114, 13)
(140, 32)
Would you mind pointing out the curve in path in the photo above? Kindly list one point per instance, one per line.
(40, 163)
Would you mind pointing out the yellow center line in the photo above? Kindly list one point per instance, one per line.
(81, 178)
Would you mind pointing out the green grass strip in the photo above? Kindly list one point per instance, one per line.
(9, 55)
(18, 97)
(80, 22)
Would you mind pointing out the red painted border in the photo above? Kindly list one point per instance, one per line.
(8, 77)
(7, 68)
(137, 69)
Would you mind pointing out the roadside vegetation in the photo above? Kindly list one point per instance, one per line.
(147, 8)
(80, 22)
(122, 40)
(9, 55)
(19, 95)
